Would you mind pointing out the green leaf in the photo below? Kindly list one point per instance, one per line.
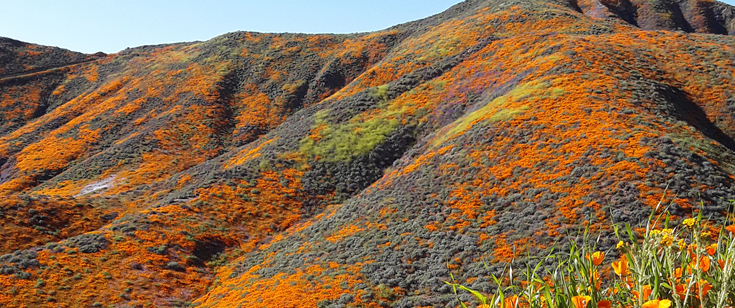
(478, 295)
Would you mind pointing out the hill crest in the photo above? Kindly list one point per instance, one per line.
(347, 170)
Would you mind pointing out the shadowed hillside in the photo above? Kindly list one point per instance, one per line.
(290, 170)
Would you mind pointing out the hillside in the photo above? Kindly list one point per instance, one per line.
(293, 170)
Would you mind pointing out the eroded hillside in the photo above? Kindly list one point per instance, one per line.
(286, 170)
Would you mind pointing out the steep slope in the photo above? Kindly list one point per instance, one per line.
(280, 170)
(125, 125)
(680, 15)
(28, 73)
(19, 57)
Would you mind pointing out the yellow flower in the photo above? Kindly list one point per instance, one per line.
(667, 240)
(657, 304)
(620, 245)
(581, 301)
(689, 222)
(655, 232)
(682, 244)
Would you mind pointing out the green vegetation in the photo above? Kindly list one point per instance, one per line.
(380, 92)
(293, 87)
(691, 265)
(344, 142)
(503, 108)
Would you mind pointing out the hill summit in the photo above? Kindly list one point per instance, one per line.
(293, 170)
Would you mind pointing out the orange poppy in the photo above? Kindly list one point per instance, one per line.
(692, 248)
(646, 292)
(712, 249)
(704, 263)
(595, 278)
(677, 272)
(705, 287)
(657, 304)
(604, 304)
(596, 257)
(621, 267)
(510, 302)
(581, 301)
(721, 263)
(681, 290)
(730, 228)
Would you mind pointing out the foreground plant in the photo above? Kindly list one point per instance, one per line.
(687, 266)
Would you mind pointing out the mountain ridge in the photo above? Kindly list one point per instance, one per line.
(355, 170)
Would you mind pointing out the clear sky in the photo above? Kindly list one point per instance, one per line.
(112, 25)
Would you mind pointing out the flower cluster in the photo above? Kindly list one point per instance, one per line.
(687, 266)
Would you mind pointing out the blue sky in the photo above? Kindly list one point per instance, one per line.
(112, 25)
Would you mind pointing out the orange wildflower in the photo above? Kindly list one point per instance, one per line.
(677, 272)
(596, 257)
(730, 228)
(595, 279)
(704, 264)
(604, 304)
(712, 249)
(657, 304)
(510, 302)
(621, 267)
(692, 248)
(705, 286)
(721, 263)
(681, 290)
(581, 301)
(646, 292)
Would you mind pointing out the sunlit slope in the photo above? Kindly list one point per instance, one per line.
(532, 137)
(345, 171)
(114, 130)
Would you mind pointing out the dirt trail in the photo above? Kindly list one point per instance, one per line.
(7, 77)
